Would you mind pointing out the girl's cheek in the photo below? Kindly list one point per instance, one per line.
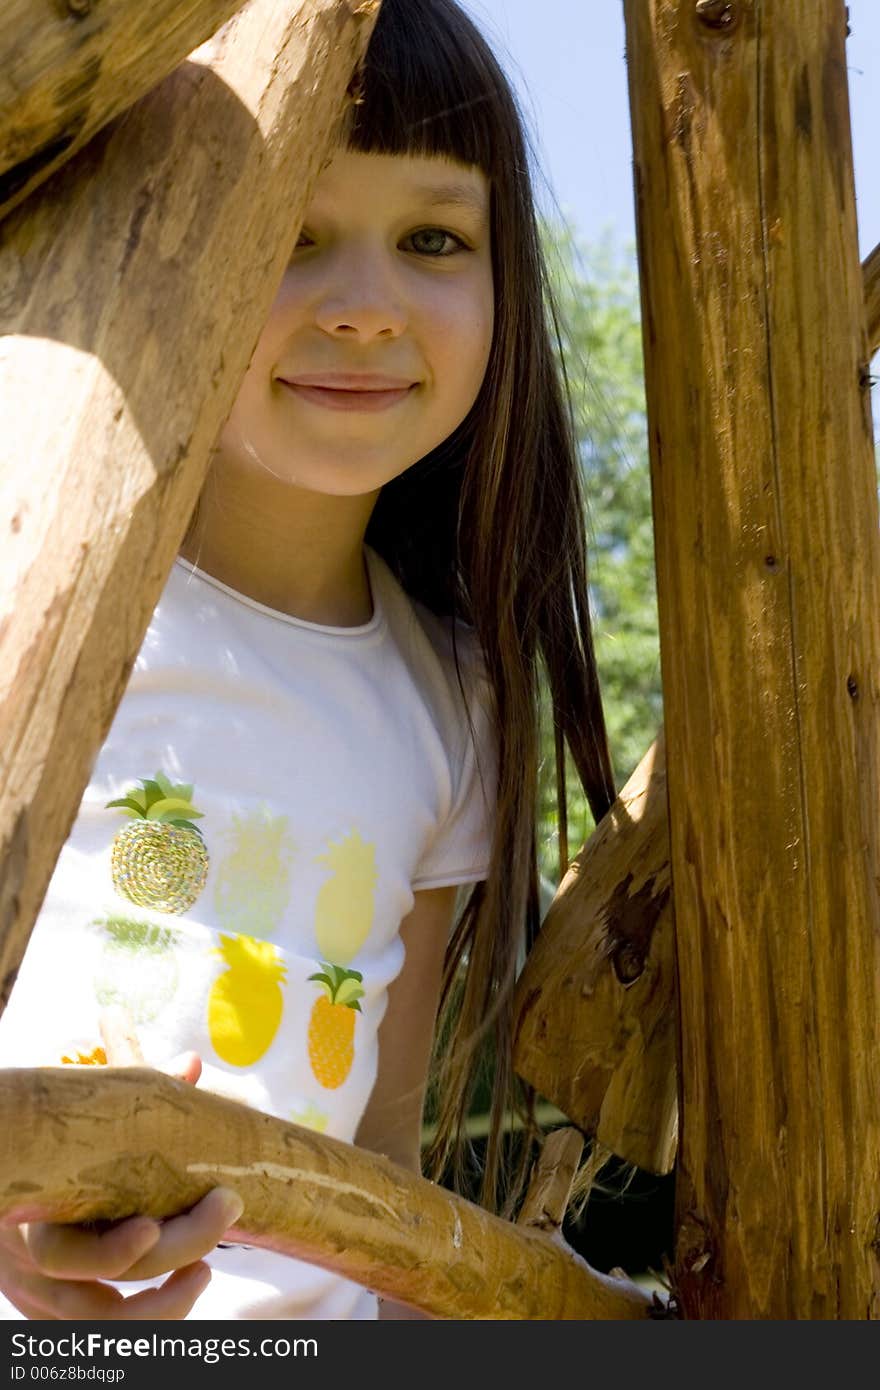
(467, 313)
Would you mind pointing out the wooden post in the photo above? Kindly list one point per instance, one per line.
(768, 561)
(598, 1040)
(134, 285)
(67, 69)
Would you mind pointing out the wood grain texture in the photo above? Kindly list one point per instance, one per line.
(546, 1201)
(595, 1001)
(133, 288)
(67, 69)
(768, 562)
(92, 1143)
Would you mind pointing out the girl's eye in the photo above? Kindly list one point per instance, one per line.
(433, 241)
(430, 241)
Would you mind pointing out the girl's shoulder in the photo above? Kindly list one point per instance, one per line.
(452, 643)
(443, 655)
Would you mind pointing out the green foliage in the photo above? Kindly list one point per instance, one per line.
(597, 302)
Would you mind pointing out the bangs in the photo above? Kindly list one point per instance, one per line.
(430, 85)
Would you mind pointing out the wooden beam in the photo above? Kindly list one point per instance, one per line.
(162, 1144)
(768, 562)
(135, 284)
(67, 69)
(595, 1001)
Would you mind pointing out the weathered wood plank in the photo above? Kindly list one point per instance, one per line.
(595, 1001)
(164, 1144)
(133, 287)
(768, 560)
(67, 69)
(546, 1201)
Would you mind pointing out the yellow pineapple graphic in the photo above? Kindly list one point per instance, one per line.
(245, 1003)
(310, 1117)
(160, 859)
(345, 904)
(331, 1025)
(253, 882)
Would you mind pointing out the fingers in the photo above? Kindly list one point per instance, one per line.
(40, 1297)
(186, 1238)
(187, 1067)
(77, 1252)
(135, 1249)
(173, 1299)
(120, 1039)
(124, 1050)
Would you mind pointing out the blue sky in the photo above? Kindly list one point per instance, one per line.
(566, 61)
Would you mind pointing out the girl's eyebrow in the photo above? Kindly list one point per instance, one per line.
(451, 195)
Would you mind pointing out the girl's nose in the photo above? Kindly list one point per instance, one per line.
(361, 304)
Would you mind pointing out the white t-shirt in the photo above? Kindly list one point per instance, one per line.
(288, 786)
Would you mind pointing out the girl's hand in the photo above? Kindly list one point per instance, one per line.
(54, 1271)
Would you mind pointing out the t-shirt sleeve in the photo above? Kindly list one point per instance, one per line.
(460, 850)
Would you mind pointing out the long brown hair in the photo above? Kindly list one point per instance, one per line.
(490, 528)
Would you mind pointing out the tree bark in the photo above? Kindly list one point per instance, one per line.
(595, 1002)
(128, 328)
(768, 560)
(163, 1144)
(66, 70)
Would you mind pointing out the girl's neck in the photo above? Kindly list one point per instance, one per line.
(301, 553)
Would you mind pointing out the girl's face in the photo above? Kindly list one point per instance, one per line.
(377, 342)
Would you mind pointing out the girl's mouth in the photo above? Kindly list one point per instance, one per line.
(334, 398)
(351, 389)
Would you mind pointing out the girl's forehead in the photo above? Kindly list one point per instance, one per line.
(432, 179)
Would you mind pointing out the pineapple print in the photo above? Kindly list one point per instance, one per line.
(345, 904)
(253, 881)
(245, 1004)
(310, 1117)
(138, 968)
(160, 859)
(331, 1025)
(95, 1057)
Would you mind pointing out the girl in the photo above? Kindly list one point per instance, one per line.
(330, 738)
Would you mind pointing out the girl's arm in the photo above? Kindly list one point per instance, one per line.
(392, 1121)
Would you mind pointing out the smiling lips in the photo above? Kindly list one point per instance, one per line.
(350, 390)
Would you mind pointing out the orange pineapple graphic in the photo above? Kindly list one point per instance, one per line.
(95, 1057)
(159, 860)
(331, 1025)
(245, 1004)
